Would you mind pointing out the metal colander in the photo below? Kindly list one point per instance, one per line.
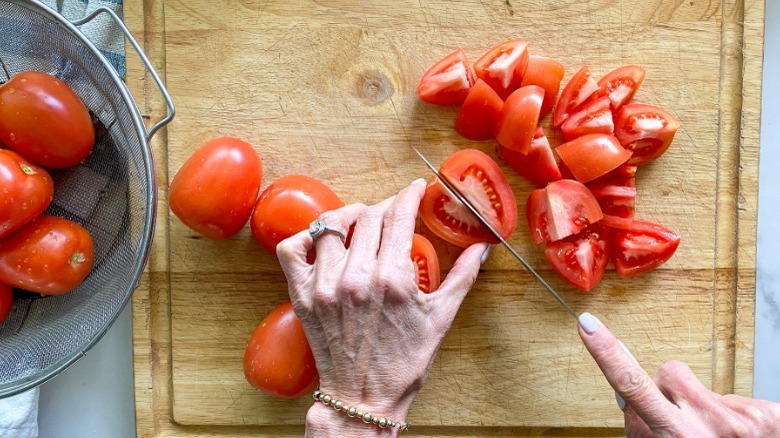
(112, 194)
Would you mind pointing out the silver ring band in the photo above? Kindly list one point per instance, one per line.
(318, 228)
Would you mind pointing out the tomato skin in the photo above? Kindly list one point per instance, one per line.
(503, 66)
(538, 165)
(478, 178)
(595, 117)
(477, 118)
(646, 130)
(214, 191)
(278, 359)
(43, 120)
(592, 155)
(561, 209)
(642, 247)
(548, 74)
(620, 85)
(448, 81)
(287, 206)
(519, 117)
(50, 255)
(6, 301)
(616, 195)
(577, 91)
(27, 191)
(426, 264)
(580, 259)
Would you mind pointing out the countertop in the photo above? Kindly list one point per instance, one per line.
(94, 397)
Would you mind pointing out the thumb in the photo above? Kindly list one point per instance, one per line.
(449, 296)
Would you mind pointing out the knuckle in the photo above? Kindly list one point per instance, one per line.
(674, 371)
(634, 384)
(330, 217)
(354, 287)
(324, 298)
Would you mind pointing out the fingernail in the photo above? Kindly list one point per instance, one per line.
(620, 402)
(418, 181)
(628, 352)
(485, 255)
(589, 323)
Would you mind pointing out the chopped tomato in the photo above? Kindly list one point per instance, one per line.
(646, 130)
(621, 84)
(519, 117)
(546, 73)
(448, 81)
(595, 117)
(616, 195)
(580, 259)
(478, 116)
(642, 247)
(565, 172)
(561, 209)
(503, 66)
(483, 183)
(538, 165)
(580, 87)
(426, 264)
(593, 155)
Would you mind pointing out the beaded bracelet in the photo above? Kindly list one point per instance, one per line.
(354, 412)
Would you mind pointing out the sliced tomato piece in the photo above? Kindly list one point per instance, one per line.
(565, 172)
(593, 155)
(621, 84)
(563, 208)
(548, 74)
(478, 116)
(503, 66)
(595, 117)
(646, 130)
(616, 195)
(642, 247)
(484, 184)
(580, 87)
(538, 165)
(448, 82)
(617, 222)
(519, 117)
(580, 259)
(426, 264)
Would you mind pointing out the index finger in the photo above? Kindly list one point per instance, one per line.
(625, 375)
(399, 221)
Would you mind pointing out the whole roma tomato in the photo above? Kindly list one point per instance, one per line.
(287, 206)
(27, 190)
(6, 301)
(214, 191)
(50, 255)
(278, 359)
(44, 120)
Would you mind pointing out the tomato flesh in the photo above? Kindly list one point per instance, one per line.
(538, 165)
(503, 66)
(27, 191)
(616, 195)
(642, 247)
(548, 74)
(563, 208)
(448, 81)
(477, 118)
(578, 90)
(646, 130)
(592, 155)
(595, 117)
(580, 259)
(620, 85)
(519, 117)
(426, 264)
(6, 301)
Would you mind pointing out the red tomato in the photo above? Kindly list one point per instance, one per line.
(563, 208)
(44, 120)
(593, 155)
(621, 84)
(503, 66)
(50, 255)
(288, 206)
(539, 165)
(448, 82)
(580, 87)
(642, 247)
(580, 259)
(548, 74)
(426, 264)
(483, 183)
(646, 130)
(595, 117)
(477, 117)
(214, 191)
(278, 359)
(616, 195)
(6, 301)
(519, 117)
(27, 191)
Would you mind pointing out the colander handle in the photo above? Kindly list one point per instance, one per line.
(144, 59)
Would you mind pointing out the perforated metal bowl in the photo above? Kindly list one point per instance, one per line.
(112, 194)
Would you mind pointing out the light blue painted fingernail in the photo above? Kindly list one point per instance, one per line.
(620, 402)
(485, 255)
(589, 323)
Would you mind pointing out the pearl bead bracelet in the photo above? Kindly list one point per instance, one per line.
(354, 412)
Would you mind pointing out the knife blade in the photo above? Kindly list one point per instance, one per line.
(458, 195)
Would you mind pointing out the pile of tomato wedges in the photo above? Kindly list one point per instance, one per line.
(583, 210)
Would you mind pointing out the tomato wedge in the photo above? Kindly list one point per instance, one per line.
(646, 130)
(6, 301)
(593, 155)
(559, 210)
(478, 116)
(538, 165)
(621, 84)
(580, 87)
(448, 81)
(548, 74)
(616, 195)
(481, 180)
(426, 264)
(642, 247)
(580, 259)
(595, 117)
(519, 117)
(503, 66)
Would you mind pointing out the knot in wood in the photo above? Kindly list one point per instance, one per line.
(374, 87)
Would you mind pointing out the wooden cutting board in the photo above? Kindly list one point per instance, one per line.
(327, 88)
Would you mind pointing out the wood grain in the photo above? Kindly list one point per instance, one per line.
(327, 88)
